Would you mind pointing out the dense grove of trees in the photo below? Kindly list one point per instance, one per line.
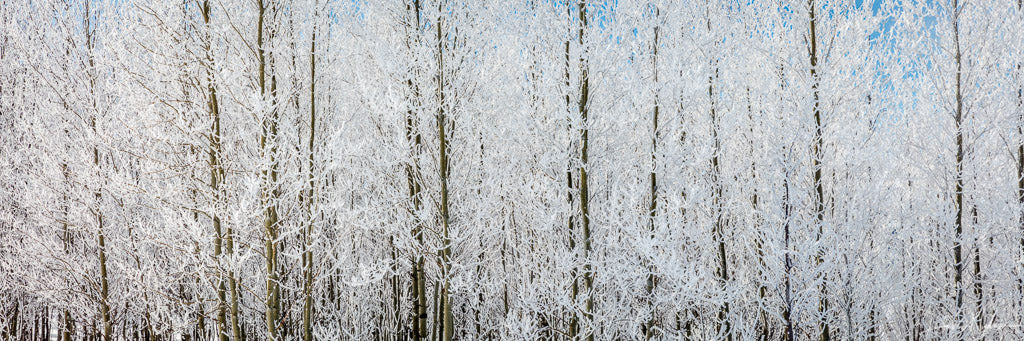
(522, 170)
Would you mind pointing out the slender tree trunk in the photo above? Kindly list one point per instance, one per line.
(647, 329)
(104, 284)
(147, 321)
(419, 287)
(44, 333)
(574, 321)
(236, 330)
(97, 209)
(1020, 178)
(504, 256)
(582, 171)
(413, 137)
(200, 332)
(958, 185)
(307, 256)
(68, 329)
(723, 265)
(1020, 157)
(268, 149)
(436, 332)
(12, 323)
(67, 324)
(216, 173)
(570, 195)
(787, 313)
(817, 158)
(978, 286)
(447, 321)
(684, 318)
(763, 328)
(872, 333)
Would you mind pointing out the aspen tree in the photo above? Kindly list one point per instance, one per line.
(787, 312)
(581, 176)
(719, 224)
(685, 327)
(233, 287)
(229, 245)
(788, 218)
(763, 327)
(445, 318)
(104, 290)
(978, 290)
(1019, 75)
(216, 171)
(570, 194)
(414, 140)
(818, 155)
(958, 185)
(269, 191)
(68, 323)
(652, 281)
(67, 328)
(307, 256)
(724, 327)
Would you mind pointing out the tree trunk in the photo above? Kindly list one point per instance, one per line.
(412, 135)
(104, 294)
(719, 234)
(958, 185)
(647, 329)
(571, 188)
(787, 312)
(104, 284)
(1020, 155)
(68, 329)
(817, 158)
(584, 183)
(978, 286)
(269, 198)
(307, 255)
(763, 327)
(216, 173)
(444, 255)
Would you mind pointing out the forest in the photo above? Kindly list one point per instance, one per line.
(238, 170)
